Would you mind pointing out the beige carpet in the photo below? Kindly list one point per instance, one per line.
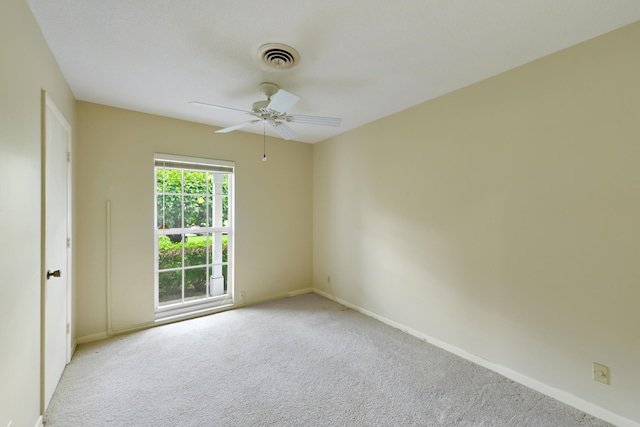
(301, 361)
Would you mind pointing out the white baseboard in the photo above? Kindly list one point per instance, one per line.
(278, 296)
(40, 422)
(103, 335)
(91, 338)
(543, 388)
(300, 292)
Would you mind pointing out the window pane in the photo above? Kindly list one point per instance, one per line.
(195, 211)
(219, 211)
(169, 287)
(168, 181)
(218, 248)
(169, 253)
(209, 203)
(225, 184)
(161, 178)
(218, 280)
(224, 273)
(195, 251)
(159, 212)
(225, 247)
(225, 211)
(219, 183)
(210, 183)
(195, 182)
(195, 283)
(169, 211)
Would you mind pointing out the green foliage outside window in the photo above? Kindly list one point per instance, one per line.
(198, 195)
(170, 256)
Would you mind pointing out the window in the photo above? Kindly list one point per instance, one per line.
(193, 234)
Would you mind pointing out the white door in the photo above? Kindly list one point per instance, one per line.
(57, 280)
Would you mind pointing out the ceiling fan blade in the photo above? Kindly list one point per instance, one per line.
(238, 126)
(315, 120)
(217, 107)
(285, 131)
(282, 101)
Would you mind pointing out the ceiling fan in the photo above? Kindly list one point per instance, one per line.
(273, 111)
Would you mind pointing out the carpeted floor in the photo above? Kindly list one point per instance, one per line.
(300, 361)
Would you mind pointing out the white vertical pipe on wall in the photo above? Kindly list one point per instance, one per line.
(108, 267)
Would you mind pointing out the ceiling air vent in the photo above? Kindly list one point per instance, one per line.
(278, 56)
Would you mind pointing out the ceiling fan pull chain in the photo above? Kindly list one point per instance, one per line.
(264, 140)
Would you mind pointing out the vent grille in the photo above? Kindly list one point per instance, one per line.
(278, 56)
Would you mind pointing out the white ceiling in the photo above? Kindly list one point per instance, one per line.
(360, 59)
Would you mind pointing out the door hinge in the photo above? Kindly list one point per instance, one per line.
(68, 156)
(68, 242)
(68, 327)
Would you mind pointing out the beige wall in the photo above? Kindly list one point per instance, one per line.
(502, 219)
(27, 67)
(273, 250)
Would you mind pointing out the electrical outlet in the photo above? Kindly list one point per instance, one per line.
(242, 297)
(600, 373)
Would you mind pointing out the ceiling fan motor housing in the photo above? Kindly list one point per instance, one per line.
(269, 89)
(260, 105)
(261, 108)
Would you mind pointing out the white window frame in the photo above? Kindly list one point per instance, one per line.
(208, 303)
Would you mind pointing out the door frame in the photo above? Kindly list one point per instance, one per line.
(47, 103)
